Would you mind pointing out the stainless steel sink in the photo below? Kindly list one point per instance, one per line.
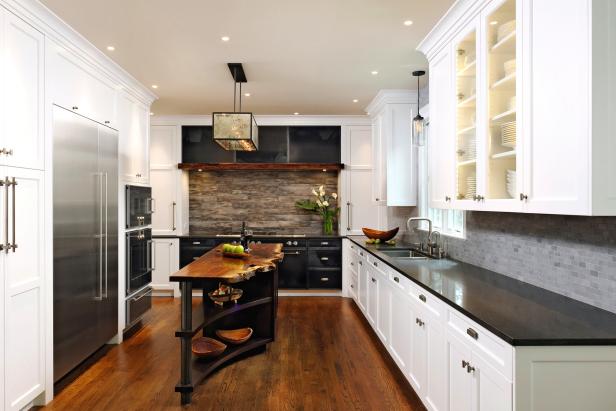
(404, 254)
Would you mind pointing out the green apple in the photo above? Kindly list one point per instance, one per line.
(377, 241)
(227, 248)
(238, 249)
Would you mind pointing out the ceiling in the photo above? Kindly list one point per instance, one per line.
(310, 57)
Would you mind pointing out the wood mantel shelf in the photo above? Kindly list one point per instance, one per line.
(262, 166)
(214, 266)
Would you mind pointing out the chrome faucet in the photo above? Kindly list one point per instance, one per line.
(432, 246)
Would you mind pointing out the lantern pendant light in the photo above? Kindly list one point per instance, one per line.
(237, 130)
(419, 135)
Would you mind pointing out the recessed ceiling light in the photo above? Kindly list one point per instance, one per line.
(355, 100)
(225, 38)
(154, 85)
(246, 94)
(110, 48)
(493, 22)
(296, 114)
(151, 113)
(374, 72)
(408, 22)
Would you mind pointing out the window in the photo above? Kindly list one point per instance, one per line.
(447, 222)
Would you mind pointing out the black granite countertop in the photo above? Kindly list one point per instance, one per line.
(517, 312)
(206, 234)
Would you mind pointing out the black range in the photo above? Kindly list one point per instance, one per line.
(518, 312)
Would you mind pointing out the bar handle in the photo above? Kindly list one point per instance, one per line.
(348, 204)
(14, 245)
(5, 246)
(174, 204)
(106, 176)
(99, 236)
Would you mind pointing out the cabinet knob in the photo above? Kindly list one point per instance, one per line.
(352, 286)
(107, 121)
(376, 199)
(7, 152)
(373, 280)
(396, 279)
(375, 264)
(523, 197)
(360, 263)
(419, 322)
(464, 363)
(422, 297)
(75, 108)
(470, 369)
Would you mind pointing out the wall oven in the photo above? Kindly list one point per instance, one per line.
(139, 206)
(139, 259)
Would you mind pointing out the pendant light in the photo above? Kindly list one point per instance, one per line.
(237, 130)
(419, 136)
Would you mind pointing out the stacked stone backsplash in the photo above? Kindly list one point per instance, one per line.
(573, 256)
(220, 200)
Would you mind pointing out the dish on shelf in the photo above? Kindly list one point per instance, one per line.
(236, 337)
(511, 183)
(509, 67)
(471, 188)
(380, 235)
(205, 347)
(504, 30)
(508, 134)
(224, 294)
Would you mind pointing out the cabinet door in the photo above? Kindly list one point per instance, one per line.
(360, 210)
(436, 383)
(164, 147)
(401, 163)
(164, 193)
(166, 262)
(418, 372)
(373, 297)
(134, 118)
(556, 137)
(363, 282)
(461, 384)
(440, 155)
(383, 319)
(22, 277)
(21, 93)
(379, 171)
(402, 322)
(494, 391)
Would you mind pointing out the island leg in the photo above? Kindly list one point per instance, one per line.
(186, 355)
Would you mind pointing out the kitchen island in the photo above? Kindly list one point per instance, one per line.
(256, 275)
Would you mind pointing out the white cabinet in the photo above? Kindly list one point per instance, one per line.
(21, 269)
(358, 209)
(401, 344)
(394, 179)
(76, 86)
(363, 276)
(373, 296)
(384, 292)
(134, 127)
(165, 179)
(166, 262)
(350, 280)
(21, 93)
(525, 136)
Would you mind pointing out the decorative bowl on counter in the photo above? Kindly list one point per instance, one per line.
(239, 336)
(235, 255)
(224, 294)
(380, 235)
(205, 347)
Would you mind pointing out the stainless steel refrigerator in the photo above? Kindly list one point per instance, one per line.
(85, 238)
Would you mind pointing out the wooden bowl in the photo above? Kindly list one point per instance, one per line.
(233, 294)
(236, 255)
(205, 347)
(380, 235)
(239, 336)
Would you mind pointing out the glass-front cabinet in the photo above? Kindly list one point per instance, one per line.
(465, 80)
(486, 80)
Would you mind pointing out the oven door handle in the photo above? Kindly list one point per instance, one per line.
(152, 256)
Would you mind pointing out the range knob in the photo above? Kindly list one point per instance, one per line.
(289, 243)
(294, 242)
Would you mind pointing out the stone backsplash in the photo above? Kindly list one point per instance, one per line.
(220, 200)
(573, 256)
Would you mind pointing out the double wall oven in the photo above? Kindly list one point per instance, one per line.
(139, 252)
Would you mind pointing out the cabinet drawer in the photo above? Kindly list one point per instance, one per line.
(324, 243)
(493, 349)
(428, 301)
(325, 279)
(324, 258)
(380, 266)
(399, 281)
(138, 305)
(353, 286)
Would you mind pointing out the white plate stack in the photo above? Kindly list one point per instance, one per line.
(467, 151)
(471, 187)
(511, 183)
(508, 131)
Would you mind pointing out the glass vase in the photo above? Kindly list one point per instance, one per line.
(328, 224)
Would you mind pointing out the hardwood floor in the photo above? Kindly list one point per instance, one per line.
(325, 358)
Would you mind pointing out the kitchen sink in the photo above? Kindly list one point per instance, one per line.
(405, 254)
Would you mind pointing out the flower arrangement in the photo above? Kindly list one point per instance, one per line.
(325, 205)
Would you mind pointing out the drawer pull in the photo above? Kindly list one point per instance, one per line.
(375, 264)
(196, 242)
(324, 279)
(396, 279)
(422, 297)
(470, 369)
(324, 243)
(360, 263)
(373, 280)
(324, 258)
(465, 363)
(360, 253)
(195, 258)
(352, 286)
(472, 333)
(352, 264)
(419, 322)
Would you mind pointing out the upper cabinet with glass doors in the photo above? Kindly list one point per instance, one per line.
(532, 106)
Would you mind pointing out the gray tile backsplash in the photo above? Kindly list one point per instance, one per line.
(573, 256)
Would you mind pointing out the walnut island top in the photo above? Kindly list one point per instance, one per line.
(214, 266)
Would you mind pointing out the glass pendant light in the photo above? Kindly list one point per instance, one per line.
(419, 135)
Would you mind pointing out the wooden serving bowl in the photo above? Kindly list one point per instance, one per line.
(205, 347)
(239, 336)
(235, 255)
(380, 235)
(224, 294)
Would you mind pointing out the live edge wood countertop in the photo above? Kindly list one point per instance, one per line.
(214, 266)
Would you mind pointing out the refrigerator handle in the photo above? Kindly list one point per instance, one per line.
(99, 295)
(105, 175)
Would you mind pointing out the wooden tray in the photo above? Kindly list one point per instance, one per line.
(236, 337)
(380, 235)
(205, 347)
(235, 255)
(220, 299)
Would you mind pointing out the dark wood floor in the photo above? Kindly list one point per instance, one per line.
(325, 358)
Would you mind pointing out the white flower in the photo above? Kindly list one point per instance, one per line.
(321, 191)
(326, 203)
(334, 195)
(319, 203)
(314, 192)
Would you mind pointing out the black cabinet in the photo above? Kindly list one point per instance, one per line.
(193, 248)
(292, 269)
(321, 278)
(199, 147)
(315, 144)
(273, 147)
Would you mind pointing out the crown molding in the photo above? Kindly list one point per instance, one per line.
(267, 120)
(57, 30)
(391, 96)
